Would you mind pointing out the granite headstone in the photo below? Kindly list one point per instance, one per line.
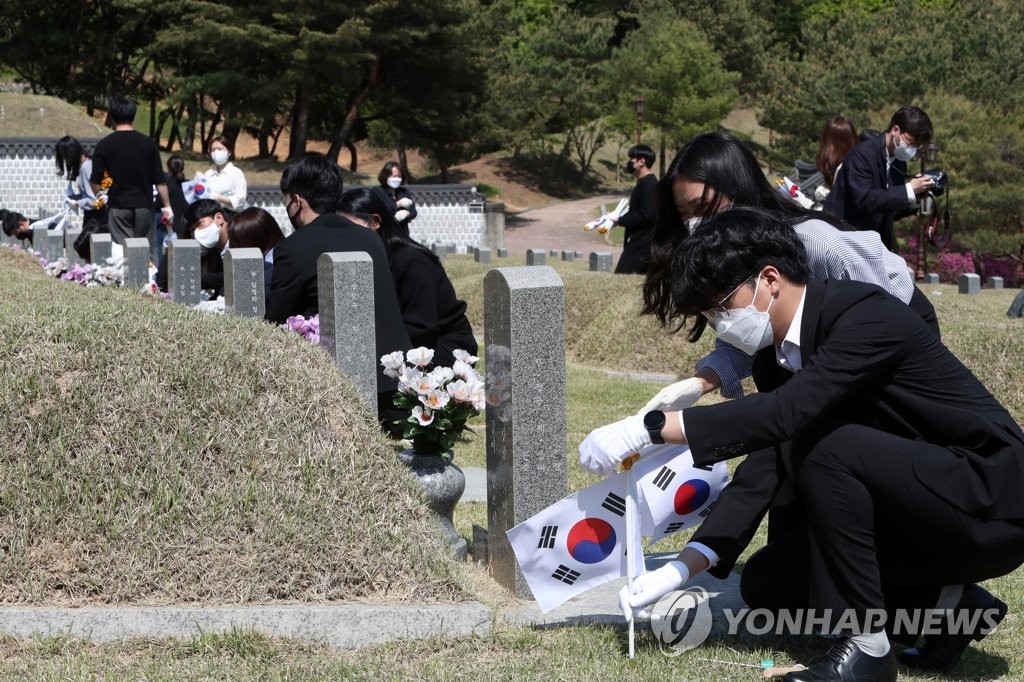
(347, 328)
(183, 271)
(244, 291)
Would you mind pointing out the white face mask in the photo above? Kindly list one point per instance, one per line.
(747, 328)
(219, 157)
(208, 236)
(394, 183)
(902, 150)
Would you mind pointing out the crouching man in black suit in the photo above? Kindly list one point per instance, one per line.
(892, 476)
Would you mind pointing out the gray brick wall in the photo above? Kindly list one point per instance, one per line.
(449, 214)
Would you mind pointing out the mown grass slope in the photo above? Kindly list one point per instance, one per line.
(155, 454)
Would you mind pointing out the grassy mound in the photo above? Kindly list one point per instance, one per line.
(24, 115)
(155, 454)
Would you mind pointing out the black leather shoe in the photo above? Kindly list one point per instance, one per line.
(844, 662)
(942, 651)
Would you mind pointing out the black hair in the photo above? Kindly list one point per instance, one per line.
(316, 179)
(642, 151)
(728, 170)
(203, 208)
(122, 110)
(913, 121)
(385, 172)
(68, 157)
(176, 167)
(366, 202)
(11, 222)
(728, 248)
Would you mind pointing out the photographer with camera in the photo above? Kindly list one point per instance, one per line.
(872, 188)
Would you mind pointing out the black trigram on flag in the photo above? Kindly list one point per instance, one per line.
(674, 526)
(615, 504)
(547, 537)
(565, 574)
(707, 510)
(664, 478)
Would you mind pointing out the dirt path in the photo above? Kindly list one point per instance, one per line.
(560, 226)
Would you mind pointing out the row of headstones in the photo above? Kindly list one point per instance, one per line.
(600, 261)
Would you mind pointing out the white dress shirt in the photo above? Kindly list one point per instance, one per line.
(229, 183)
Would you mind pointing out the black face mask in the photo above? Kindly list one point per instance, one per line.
(631, 167)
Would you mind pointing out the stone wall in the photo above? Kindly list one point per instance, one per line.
(29, 184)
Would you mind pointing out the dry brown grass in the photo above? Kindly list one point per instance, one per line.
(155, 454)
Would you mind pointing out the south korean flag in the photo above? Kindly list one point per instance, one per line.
(673, 493)
(577, 543)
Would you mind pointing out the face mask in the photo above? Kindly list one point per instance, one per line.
(747, 328)
(902, 150)
(208, 236)
(394, 183)
(219, 157)
(630, 167)
(293, 218)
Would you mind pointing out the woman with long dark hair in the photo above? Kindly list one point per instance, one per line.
(711, 173)
(433, 315)
(75, 165)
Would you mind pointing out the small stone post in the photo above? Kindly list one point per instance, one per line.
(524, 323)
(244, 290)
(347, 327)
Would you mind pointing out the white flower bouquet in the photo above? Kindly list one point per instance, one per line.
(441, 400)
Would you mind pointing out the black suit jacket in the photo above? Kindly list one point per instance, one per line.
(868, 197)
(867, 359)
(293, 284)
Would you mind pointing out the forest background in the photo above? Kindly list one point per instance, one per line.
(550, 82)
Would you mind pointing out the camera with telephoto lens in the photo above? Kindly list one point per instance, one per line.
(940, 181)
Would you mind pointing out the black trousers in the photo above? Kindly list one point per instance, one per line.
(873, 536)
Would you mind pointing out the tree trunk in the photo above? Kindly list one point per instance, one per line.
(152, 117)
(351, 147)
(190, 131)
(341, 139)
(300, 121)
(403, 164)
(444, 174)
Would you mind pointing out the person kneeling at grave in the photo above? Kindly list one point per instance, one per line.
(16, 225)
(905, 470)
(433, 314)
(207, 222)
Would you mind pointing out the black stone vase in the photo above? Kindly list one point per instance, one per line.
(442, 483)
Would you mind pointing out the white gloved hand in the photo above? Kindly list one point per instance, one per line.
(168, 215)
(404, 202)
(605, 448)
(675, 397)
(401, 215)
(651, 587)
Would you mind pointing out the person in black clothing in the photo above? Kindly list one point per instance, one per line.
(872, 189)
(433, 315)
(208, 224)
(396, 196)
(16, 225)
(132, 161)
(639, 220)
(175, 178)
(312, 187)
(255, 228)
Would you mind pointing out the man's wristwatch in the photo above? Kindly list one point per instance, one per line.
(654, 422)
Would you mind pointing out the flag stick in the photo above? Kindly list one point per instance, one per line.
(630, 546)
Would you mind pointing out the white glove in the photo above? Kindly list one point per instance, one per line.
(651, 587)
(404, 202)
(86, 203)
(401, 215)
(605, 448)
(168, 215)
(674, 397)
